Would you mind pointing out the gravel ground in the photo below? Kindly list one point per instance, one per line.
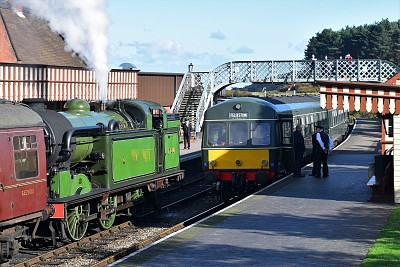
(143, 230)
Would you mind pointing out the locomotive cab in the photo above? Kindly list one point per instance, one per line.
(240, 140)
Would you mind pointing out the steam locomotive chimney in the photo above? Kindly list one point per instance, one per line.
(19, 10)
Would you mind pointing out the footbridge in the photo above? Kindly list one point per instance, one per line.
(197, 90)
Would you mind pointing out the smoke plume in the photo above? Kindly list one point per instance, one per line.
(83, 24)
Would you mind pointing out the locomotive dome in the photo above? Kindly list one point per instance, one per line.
(77, 105)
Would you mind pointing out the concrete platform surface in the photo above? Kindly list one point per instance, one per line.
(295, 222)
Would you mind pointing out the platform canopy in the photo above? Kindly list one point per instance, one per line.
(359, 96)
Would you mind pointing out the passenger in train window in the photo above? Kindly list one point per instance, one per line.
(216, 133)
(299, 149)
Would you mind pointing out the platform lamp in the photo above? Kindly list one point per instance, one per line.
(190, 67)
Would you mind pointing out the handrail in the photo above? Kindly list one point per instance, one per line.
(287, 71)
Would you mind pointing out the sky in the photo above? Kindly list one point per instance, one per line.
(167, 35)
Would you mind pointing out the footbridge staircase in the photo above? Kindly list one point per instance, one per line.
(197, 90)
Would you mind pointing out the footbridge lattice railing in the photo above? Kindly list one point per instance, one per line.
(285, 71)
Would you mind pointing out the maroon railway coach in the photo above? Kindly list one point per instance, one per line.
(22, 177)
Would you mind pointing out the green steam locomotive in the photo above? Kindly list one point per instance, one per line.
(70, 168)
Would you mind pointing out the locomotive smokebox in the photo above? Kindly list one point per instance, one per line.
(55, 127)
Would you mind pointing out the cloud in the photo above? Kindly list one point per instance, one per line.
(217, 35)
(162, 56)
(243, 50)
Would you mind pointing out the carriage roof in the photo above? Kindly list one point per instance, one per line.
(17, 116)
(265, 108)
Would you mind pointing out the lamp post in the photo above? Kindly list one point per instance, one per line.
(190, 67)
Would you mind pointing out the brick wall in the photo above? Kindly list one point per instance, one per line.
(396, 157)
(6, 52)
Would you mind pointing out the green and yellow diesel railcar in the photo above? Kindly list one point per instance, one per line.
(248, 142)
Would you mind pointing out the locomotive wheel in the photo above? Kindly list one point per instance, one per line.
(108, 221)
(76, 229)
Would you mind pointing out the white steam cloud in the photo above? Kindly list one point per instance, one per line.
(83, 24)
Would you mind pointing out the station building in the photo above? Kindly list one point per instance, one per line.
(34, 64)
(383, 99)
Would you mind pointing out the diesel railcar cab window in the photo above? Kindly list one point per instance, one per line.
(260, 133)
(238, 134)
(216, 134)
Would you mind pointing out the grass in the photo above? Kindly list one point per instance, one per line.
(386, 250)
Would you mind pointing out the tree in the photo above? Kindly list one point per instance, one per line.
(380, 40)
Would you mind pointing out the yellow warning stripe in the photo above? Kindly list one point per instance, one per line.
(21, 184)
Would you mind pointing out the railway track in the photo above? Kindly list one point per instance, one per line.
(127, 236)
(179, 207)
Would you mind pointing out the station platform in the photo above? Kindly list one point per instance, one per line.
(195, 145)
(193, 152)
(293, 222)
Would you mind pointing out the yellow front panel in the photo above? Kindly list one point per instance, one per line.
(250, 158)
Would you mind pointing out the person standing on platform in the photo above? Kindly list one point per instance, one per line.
(325, 145)
(315, 146)
(299, 149)
(187, 131)
(313, 60)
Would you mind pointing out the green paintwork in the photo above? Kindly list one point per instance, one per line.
(132, 158)
(77, 111)
(64, 185)
(174, 123)
(77, 105)
(84, 146)
(171, 151)
(131, 155)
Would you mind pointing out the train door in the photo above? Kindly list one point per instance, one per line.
(6, 176)
(287, 145)
(158, 125)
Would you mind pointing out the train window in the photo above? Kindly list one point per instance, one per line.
(286, 132)
(238, 134)
(157, 118)
(261, 133)
(216, 134)
(25, 156)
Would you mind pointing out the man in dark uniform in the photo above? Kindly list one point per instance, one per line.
(325, 144)
(187, 130)
(299, 149)
(315, 146)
